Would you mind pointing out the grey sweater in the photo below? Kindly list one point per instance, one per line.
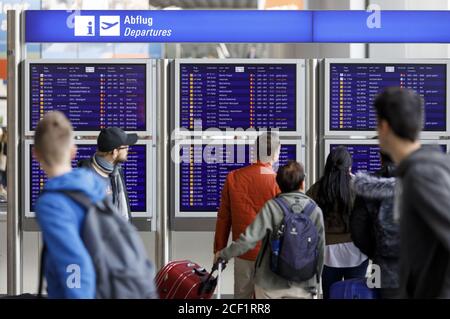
(267, 220)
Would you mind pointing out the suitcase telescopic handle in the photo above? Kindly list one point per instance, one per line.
(221, 262)
(210, 282)
(215, 267)
(219, 280)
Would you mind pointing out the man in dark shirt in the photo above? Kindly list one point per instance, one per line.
(422, 200)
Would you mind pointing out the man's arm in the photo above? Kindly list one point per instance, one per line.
(66, 248)
(429, 189)
(373, 187)
(252, 235)
(223, 223)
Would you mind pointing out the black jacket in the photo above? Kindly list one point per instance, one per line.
(87, 163)
(337, 227)
(372, 225)
(424, 211)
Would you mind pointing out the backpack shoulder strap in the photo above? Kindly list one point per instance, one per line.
(79, 197)
(284, 205)
(309, 208)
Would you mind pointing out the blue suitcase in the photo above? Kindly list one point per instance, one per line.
(352, 289)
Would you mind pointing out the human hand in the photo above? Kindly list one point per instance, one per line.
(216, 256)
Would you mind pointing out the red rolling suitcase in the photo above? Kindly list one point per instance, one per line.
(185, 279)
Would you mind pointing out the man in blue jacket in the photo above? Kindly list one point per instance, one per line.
(68, 267)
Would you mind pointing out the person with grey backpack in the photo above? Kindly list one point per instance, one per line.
(290, 262)
(90, 251)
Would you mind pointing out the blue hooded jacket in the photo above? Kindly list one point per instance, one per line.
(69, 270)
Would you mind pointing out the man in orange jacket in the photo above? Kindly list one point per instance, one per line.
(245, 192)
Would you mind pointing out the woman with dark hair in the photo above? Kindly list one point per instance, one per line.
(343, 260)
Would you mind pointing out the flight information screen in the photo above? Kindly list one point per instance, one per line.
(92, 96)
(238, 96)
(204, 169)
(353, 88)
(135, 170)
(366, 157)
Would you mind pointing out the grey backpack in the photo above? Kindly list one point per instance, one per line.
(122, 268)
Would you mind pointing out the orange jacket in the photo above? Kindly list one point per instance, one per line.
(245, 192)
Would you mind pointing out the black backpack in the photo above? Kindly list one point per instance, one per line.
(120, 260)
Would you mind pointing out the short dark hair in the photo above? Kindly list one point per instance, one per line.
(290, 176)
(403, 111)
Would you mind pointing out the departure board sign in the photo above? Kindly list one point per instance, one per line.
(92, 95)
(135, 171)
(366, 157)
(353, 88)
(238, 26)
(203, 171)
(227, 96)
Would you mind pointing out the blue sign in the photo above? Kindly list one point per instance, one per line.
(168, 26)
(238, 26)
(388, 27)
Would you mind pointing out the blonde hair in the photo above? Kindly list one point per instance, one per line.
(53, 138)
